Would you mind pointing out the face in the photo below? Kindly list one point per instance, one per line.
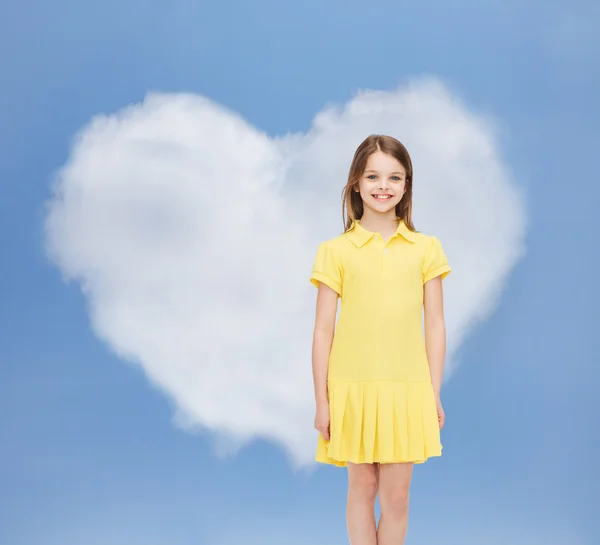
(384, 175)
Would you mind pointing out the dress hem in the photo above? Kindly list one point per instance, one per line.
(344, 463)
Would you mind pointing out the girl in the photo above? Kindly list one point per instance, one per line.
(377, 378)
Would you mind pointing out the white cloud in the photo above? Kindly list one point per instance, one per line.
(193, 234)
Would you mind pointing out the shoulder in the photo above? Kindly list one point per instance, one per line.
(338, 244)
(425, 240)
(335, 250)
(429, 246)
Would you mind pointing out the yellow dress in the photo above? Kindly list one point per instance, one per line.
(381, 400)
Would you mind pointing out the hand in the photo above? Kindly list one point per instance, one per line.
(440, 411)
(322, 419)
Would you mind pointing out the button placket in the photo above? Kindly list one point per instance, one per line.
(386, 259)
(378, 239)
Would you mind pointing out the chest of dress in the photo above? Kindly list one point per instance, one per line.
(392, 271)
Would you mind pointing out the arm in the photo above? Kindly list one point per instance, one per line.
(435, 330)
(322, 339)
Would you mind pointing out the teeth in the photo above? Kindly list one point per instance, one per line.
(382, 197)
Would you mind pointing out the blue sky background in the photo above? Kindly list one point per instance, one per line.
(89, 452)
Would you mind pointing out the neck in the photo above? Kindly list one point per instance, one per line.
(379, 223)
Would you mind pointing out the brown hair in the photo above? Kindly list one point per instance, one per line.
(352, 204)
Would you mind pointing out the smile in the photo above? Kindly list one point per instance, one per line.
(382, 197)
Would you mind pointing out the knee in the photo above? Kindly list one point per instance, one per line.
(394, 501)
(364, 485)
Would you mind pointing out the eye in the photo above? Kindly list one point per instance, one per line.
(372, 176)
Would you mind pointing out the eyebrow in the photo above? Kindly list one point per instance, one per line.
(396, 172)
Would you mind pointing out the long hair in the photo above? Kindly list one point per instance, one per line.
(352, 204)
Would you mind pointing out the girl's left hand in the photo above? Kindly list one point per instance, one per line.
(440, 411)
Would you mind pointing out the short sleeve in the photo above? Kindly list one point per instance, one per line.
(326, 269)
(435, 262)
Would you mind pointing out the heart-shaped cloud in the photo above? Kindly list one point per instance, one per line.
(193, 235)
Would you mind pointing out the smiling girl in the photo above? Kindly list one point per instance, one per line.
(377, 374)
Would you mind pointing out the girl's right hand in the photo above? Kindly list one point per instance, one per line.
(322, 419)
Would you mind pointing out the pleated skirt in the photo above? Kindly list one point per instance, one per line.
(380, 421)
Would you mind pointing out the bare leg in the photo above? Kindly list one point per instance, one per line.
(360, 506)
(394, 493)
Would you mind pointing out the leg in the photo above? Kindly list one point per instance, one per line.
(393, 492)
(360, 506)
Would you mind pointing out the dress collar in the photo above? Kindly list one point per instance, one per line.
(359, 235)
